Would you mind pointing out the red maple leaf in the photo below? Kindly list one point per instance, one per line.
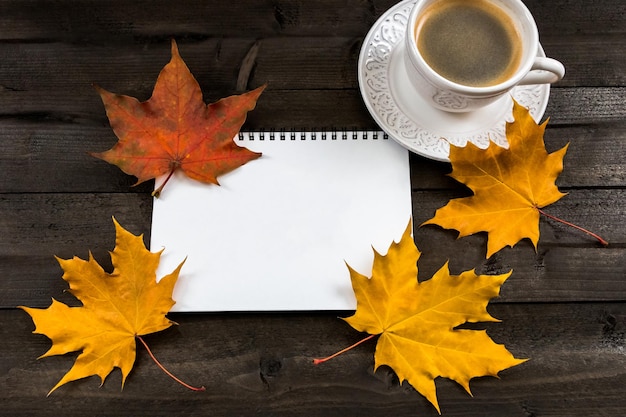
(175, 129)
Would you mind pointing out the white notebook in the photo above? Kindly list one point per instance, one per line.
(277, 233)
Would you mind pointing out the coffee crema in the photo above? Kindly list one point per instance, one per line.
(469, 42)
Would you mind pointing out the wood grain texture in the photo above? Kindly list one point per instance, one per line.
(145, 20)
(65, 71)
(38, 149)
(261, 364)
(567, 266)
(564, 305)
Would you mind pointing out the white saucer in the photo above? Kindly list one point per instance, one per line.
(404, 116)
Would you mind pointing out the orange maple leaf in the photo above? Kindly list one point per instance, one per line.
(175, 130)
(417, 321)
(510, 185)
(117, 309)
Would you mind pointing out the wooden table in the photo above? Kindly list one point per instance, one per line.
(564, 307)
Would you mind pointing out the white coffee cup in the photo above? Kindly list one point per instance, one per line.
(448, 95)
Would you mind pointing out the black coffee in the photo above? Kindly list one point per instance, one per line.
(470, 42)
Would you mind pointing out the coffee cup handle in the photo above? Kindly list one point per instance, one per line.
(544, 71)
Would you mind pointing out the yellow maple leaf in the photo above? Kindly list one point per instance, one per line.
(509, 185)
(117, 308)
(416, 321)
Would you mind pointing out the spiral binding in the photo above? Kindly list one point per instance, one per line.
(283, 135)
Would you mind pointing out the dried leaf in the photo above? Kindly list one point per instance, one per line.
(509, 185)
(417, 321)
(117, 308)
(175, 130)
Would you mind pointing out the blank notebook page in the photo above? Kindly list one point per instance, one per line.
(277, 233)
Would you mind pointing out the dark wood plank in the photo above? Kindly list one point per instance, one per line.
(149, 21)
(38, 227)
(297, 63)
(297, 109)
(569, 105)
(553, 274)
(595, 60)
(53, 157)
(261, 364)
(571, 17)
(568, 265)
(152, 21)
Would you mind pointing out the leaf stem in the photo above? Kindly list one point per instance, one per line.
(602, 241)
(168, 373)
(156, 193)
(322, 360)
